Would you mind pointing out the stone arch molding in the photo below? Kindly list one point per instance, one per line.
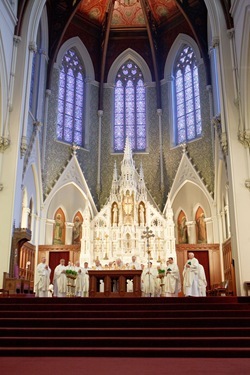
(87, 62)
(72, 174)
(186, 173)
(181, 40)
(122, 58)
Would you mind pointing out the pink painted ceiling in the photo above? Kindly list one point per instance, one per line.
(127, 13)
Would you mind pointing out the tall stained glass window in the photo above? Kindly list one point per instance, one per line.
(71, 100)
(187, 97)
(130, 108)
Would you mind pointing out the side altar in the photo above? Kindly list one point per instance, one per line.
(114, 283)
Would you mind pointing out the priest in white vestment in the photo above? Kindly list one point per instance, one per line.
(60, 280)
(43, 279)
(172, 281)
(190, 277)
(86, 280)
(79, 286)
(134, 265)
(202, 281)
(148, 278)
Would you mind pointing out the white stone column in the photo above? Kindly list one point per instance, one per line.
(68, 233)
(49, 231)
(209, 228)
(191, 229)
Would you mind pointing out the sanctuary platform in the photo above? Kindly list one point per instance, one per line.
(125, 327)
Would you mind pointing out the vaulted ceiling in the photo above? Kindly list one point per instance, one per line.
(108, 27)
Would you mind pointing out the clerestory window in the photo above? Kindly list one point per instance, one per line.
(187, 97)
(71, 99)
(130, 108)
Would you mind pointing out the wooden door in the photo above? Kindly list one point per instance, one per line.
(54, 260)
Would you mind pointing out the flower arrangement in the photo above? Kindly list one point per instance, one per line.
(169, 270)
(161, 272)
(71, 274)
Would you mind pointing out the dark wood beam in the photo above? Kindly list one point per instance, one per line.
(104, 48)
(195, 13)
(153, 41)
(60, 14)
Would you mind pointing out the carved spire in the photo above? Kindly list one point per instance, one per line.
(128, 169)
(115, 187)
(141, 183)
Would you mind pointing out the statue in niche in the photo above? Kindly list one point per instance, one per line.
(182, 228)
(77, 230)
(58, 232)
(202, 230)
(115, 214)
(141, 214)
(128, 208)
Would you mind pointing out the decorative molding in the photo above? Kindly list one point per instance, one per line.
(247, 184)
(4, 143)
(244, 138)
(216, 121)
(23, 147)
(215, 41)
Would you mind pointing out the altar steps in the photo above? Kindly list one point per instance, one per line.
(124, 327)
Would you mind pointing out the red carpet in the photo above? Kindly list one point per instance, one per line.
(184, 334)
(123, 366)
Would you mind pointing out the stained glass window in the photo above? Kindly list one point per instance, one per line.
(71, 100)
(187, 97)
(130, 108)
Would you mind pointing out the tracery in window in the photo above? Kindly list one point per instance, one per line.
(130, 108)
(71, 100)
(187, 97)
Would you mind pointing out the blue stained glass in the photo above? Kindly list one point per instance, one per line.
(189, 106)
(130, 107)
(71, 100)
(188, 117)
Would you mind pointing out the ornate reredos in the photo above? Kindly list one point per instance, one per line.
(119, 226)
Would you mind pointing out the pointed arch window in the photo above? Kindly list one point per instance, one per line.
(130, 108)
(187, 97)
(70, 127)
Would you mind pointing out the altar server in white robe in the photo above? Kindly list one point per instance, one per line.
(190, 277)
(202, 281)
(172, 281)
(148, 278)
(43, 279)
(79, 290)
(86, 280)
(60, 280)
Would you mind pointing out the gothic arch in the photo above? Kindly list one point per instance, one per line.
(3, 88)
(122, 58)
(181, 40)
(82, 50)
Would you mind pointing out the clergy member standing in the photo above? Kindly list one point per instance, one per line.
(148, 277)
(79, 280)
(190, 277)
(43, 279)
(60, 280)
(86, 280)
(172, 281)
(202, 281)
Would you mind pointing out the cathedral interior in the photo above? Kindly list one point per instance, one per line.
(119, 117)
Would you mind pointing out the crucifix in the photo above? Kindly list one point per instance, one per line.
(148, 233)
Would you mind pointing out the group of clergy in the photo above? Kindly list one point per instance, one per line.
(155, 282)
